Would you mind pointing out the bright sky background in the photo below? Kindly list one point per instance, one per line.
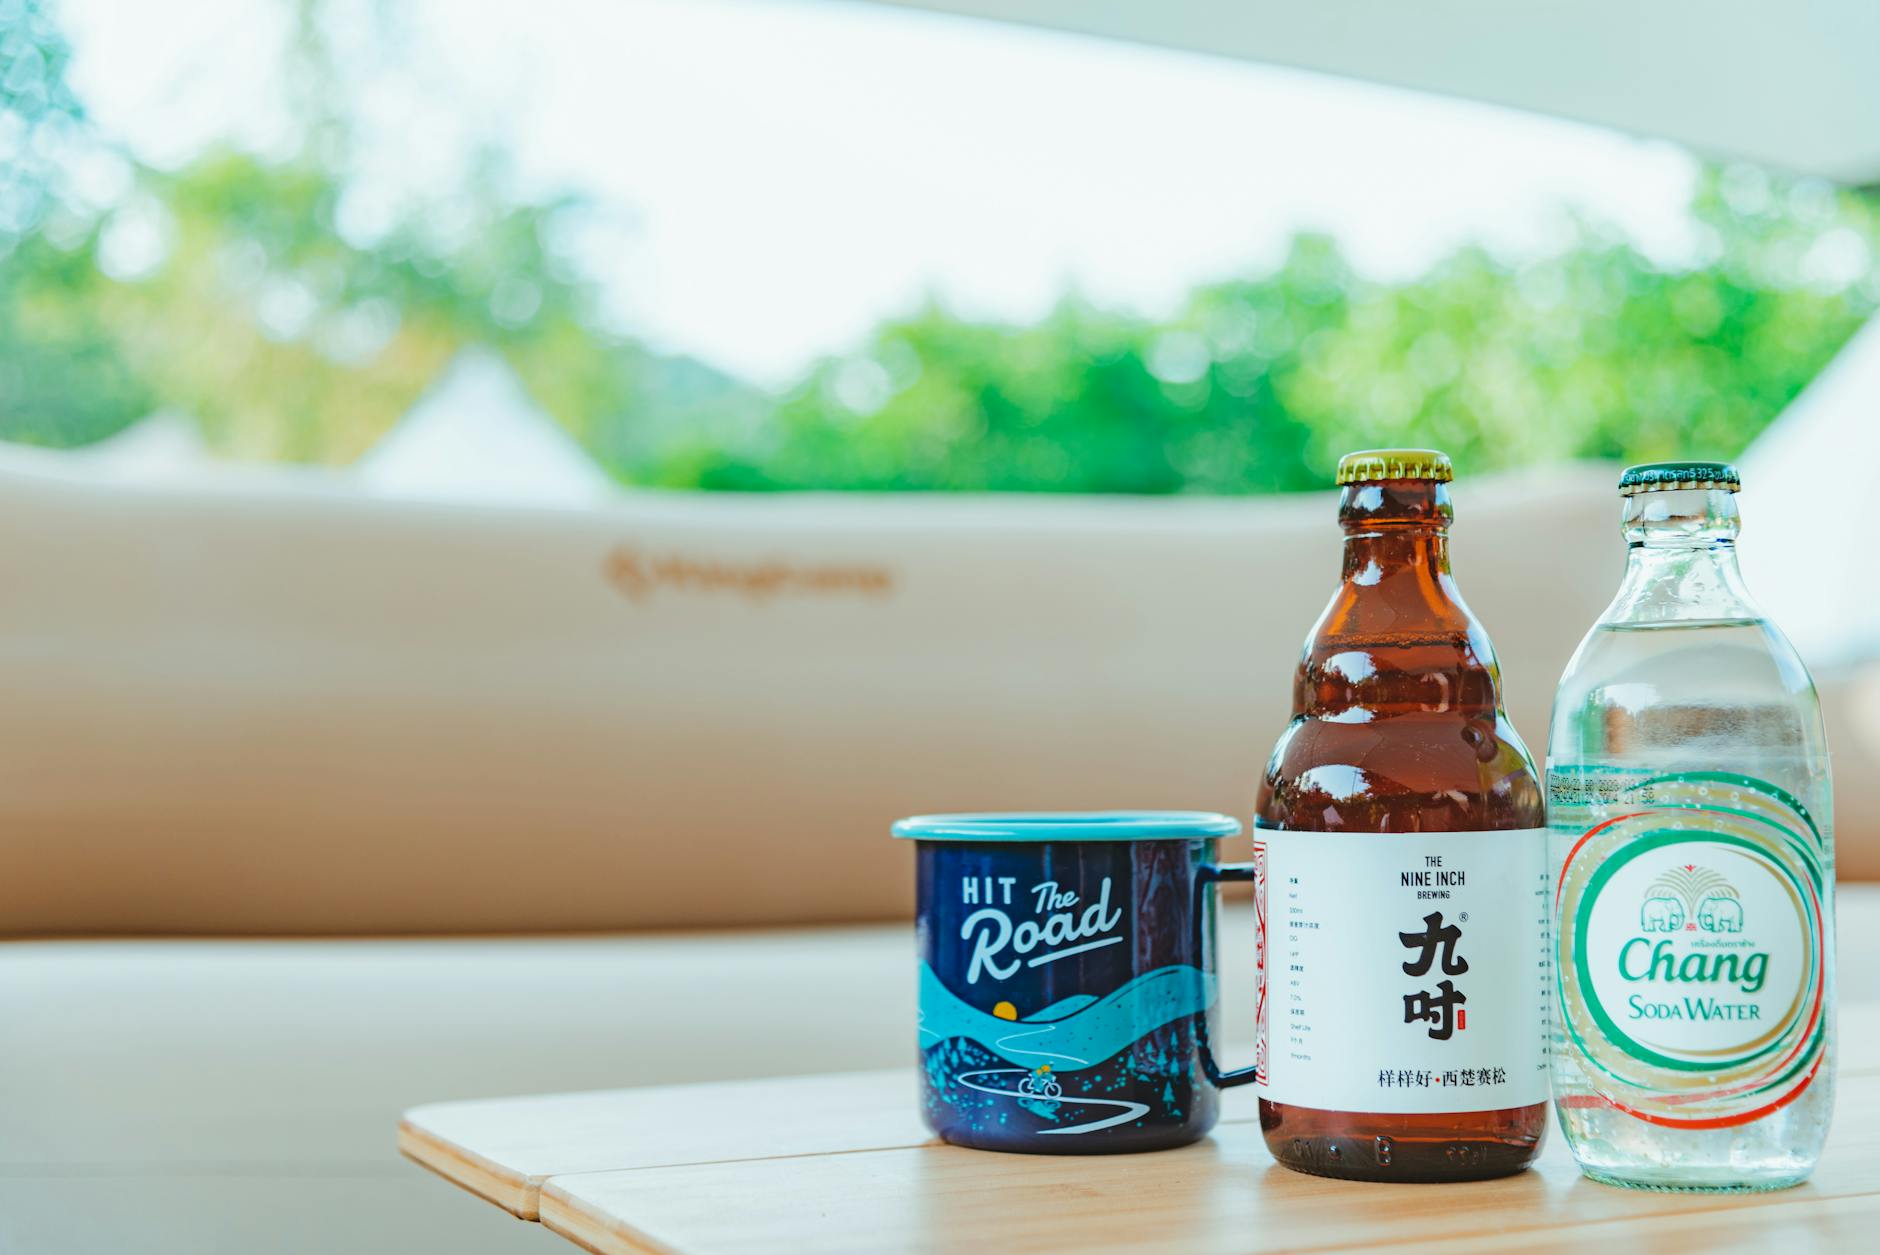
(777, 175)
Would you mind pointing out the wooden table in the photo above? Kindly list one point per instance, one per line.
(842, 1163)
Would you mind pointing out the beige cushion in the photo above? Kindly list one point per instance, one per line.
(297, 709)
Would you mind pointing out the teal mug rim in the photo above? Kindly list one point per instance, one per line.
(1037, 826)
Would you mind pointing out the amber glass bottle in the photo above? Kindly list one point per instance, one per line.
(1403, 885)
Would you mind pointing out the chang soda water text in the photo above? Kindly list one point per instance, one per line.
(1401, 870)
(1688, 802)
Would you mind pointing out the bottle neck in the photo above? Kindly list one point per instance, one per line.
(1396, 637)
(1397, 539)
(1369, 555)
(1681, 563)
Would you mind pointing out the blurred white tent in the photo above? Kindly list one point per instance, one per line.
(476, 437)
(164, 446)
(1807, 522)
(1792, 85)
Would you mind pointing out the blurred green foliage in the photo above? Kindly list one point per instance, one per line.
(228, 291)
(1260, 383)
(62, 378)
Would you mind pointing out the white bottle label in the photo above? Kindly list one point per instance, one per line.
(1694, 915)
(1403, 972)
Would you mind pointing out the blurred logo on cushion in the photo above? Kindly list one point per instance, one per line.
(640, 576)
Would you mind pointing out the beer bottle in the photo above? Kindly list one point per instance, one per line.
(1400, 851)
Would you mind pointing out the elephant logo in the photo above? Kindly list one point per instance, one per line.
(1688, 898)
(1661, 914)
(1719, 914)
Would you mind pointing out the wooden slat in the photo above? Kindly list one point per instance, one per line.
(1784, 1222)
(503, 1149)
(1224, 1195)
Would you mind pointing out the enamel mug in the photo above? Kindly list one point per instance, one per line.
(1067, 986)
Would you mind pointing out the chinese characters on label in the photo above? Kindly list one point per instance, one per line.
(1412, 1078)
(1442, 1009)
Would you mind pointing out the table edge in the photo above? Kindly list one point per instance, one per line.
(567, 1218)
(518, 1195)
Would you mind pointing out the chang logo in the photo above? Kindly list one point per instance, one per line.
(1689, 898)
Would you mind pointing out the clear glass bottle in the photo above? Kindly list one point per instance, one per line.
(1691, 836)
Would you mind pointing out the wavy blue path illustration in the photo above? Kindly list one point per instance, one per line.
(1085, 1036)
(1131, 1110)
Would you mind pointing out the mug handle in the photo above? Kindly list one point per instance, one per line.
(1208, 875)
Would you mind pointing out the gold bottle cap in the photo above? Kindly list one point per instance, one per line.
(1369, 465)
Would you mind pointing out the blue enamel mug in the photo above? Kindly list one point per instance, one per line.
(1067, 987)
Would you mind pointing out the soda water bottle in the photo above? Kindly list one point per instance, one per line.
(1401, 869)
(1690, 828)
